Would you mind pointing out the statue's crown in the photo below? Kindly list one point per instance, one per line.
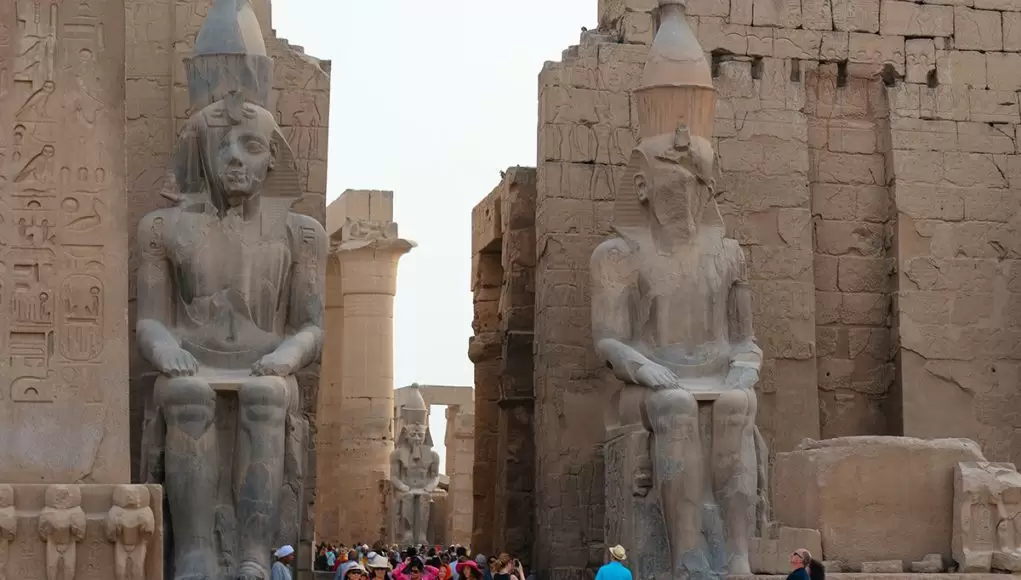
(676, 85)
(230, 56)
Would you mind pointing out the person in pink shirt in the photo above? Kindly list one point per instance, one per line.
(415, 569)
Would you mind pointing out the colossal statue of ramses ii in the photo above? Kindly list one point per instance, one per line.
(672, 318)
(230, 306)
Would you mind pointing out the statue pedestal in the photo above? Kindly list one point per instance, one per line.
(631, 520)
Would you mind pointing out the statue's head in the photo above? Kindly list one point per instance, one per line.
(416, 434)
(674, 179)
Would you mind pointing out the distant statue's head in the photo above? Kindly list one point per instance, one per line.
(674, 179)
(238, 145)
(416, 434)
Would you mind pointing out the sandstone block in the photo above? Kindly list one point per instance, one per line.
(742, 11)
(931, 564)
(911, 19)
(877, 50)
(884, 567)
(1006, 5)
(835, 46)
(782, 13)
(1012, 31)
(708, 8)
(772, 555)
(1004, 70)
(715, 33)
(802, 44)
(812, 489)
(856, 15)
(948, 102)
(977, 29)
(959, 67)
(985, 137)
(920, 54)
(986, 505)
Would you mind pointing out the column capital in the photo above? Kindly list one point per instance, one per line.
(360, 234)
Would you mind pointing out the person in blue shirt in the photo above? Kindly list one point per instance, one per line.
(615, 570)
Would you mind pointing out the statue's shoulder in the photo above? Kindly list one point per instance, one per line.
(614, 249)
(153, 225)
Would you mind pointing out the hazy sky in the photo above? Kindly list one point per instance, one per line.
(432, 99)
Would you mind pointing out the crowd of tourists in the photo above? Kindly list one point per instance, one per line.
(382, 562)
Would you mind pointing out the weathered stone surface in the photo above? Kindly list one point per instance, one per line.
(81, 531)
(931, 564)
(977, 29)
(987, 506)
(64, 401)
(810, 491)
(883, 567)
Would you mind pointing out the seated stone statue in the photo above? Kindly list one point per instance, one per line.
(414, 475)
(672, 318)
(230, 291)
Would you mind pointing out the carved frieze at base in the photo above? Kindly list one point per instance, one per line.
(81, 532)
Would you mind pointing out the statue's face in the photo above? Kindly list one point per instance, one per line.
(243, 158)
(416, 434)
(672, 192)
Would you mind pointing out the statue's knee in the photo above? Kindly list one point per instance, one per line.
(736, 404)
(185, 391)
(263, 398)
(669, 409)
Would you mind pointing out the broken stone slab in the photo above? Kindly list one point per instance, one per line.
(883, 567)
(931, 564)
(872, 498)
(81, 531)
(987, 517)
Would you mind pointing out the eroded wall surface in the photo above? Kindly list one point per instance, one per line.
(63, 243)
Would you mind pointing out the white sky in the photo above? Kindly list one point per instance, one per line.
(432, 99)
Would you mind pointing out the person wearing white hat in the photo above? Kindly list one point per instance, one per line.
(615, 570)
(281, 568)
(379, 567)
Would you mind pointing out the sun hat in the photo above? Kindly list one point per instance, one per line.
(348, 566)
(283, 551)
(378, 561)
(618, 553)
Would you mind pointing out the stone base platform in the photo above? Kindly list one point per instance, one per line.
(77, 531)
(835, 576)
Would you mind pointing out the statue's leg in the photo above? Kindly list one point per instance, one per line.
(672, 416)
(191, 465)
(735, 472)
(422, 519)
(260, 469)
(407, 520)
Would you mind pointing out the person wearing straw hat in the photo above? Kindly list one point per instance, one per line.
(615, 569)
(281, 568)
(351, 570)
(379, 567)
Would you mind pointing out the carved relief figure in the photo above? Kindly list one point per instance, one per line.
(62, 526)
(129, 525)
(8, 526)
(414, 474)
(987, 517)
(672, 318)
(230, 290)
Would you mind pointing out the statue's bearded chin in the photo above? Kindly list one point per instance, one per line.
(240, 185)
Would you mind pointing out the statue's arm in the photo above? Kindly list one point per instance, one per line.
(154, 288)
(395, 472)
(613, 273)
(747, 356)
(434, 473)
(308, 289)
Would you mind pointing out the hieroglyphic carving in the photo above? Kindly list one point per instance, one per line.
(129, 525)
(8, 526)
(62, 526)
(81, 317)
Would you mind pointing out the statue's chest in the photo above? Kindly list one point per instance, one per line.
(211, 259)
(687, 277)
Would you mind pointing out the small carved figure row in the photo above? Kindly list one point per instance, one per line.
(129, 525)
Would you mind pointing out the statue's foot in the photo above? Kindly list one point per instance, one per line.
(195, 565)
(251, 571)
(739, 565)
(1009, 561)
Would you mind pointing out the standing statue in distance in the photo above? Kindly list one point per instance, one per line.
(672, 318)
(230, 307)
(414, 474)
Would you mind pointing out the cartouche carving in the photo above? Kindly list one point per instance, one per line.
(129, 525)
(62, 526)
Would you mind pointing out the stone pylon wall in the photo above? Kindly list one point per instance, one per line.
(160, 34)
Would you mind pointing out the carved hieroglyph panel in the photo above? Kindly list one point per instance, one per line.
(63, 242)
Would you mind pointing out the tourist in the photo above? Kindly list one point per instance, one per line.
(281, 568)
(469, 570)
(805, 567)
(615, 569)
(462, 557)
(446, 573)
(379, 568)
(414, 568)
(351, 570)
(331, 559)
(507, 568)
(484, 565)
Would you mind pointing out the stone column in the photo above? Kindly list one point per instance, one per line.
(356, 398)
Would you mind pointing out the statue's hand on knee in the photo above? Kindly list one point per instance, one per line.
(280, 363)
(655, 376)
(174, 361)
